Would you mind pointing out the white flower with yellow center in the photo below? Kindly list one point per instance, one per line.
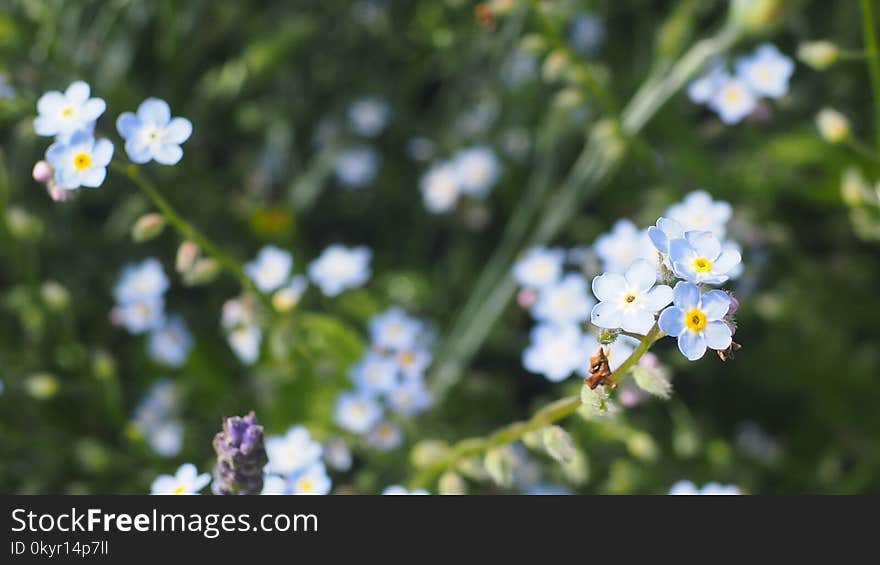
(477, 170)
(697, 212)
(625, 243)
(833, 126)
(699, 257)
(340, 268)
(312, 480)
(375, 374)
(629, 301)
(292, 452)
(539, 267)
(356, 412)
(270, 269)
(64, 114)
(766, 72)
(440, 188)
(185, 481)
(567, 301)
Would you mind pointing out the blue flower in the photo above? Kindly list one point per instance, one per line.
(566, 301)
(663, 232)
(587, 33)
(698, 211)
(140, 281)
(629, 301)
(394, 330)
(733, 99)
(704, 88)
(625, 243)
(186, 481)
(312, 480)
(142, 315)
(385, 436)
(170, 344)
(440, 188)
(556, 351)
(539, 267)
(375, 374)
(292, 452)
(410, 398)
(700, 258)
(697, 321)
(767, 71)
(368, 116)
(65, 114)
(477, 170)
(152, 134)
(80, 160)
(357, 167)
(270, 269)
(356, 412)
(340, 268)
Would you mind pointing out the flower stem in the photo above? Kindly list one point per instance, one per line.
(550, 414)
(870, 38)
(187, 230)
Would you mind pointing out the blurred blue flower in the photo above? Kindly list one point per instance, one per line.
(170, 343)
(698, 257)
(311, 480)
(385, 436)
(138, 281)
(374, 374)
(587, 33)
(733, 99)
(185, 481)
(393, 329)
(477, 170)
(629, 301)
(292, 452)
(80, 160)
(410, 398)
(556, 351)
(340, 268)
(697, 321)
(625, 243)
(701, 90)
(65, 114)
(399, 490)
(356, 412)
(413, 362)
(6, 89)
(270, 269)
(713, 489)
(565, 301)
(698, 211)
(141, 315)
(245, 342)
(440, 188)
(539, 267)
(152, 134)
(368, 116)
(357, 167)
(766, 71)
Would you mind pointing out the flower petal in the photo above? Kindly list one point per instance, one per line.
(659, 239)
(681, 250)
(641, 275)
(728, 259)
(715, 304)
(671, 321)
(692, 345)
(178, 131)
(717, 335)
(137, 151)
(154, 111)
(127, 125)
(608, 286)
(94, 177)
(167, 154)
(78, 92)
(637, 321)
(606, 315)
(657, 298)
(102, 153)
(92, 109)
(686, 295)
(704, 243)
(50, 103)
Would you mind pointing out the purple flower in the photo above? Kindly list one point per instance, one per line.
(241, 456)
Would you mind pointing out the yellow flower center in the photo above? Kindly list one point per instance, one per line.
(695, 320)
(82, 161)
(67, 112)
(732, 95)
(178, 490)
(407, 358)
(702, 265)
(629, 298)
(305, 485)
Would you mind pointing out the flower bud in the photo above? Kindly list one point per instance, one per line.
(43, 172)
(558, 444)
(147, 227)
(853, 188)
(595, 402)
(556, 65)
(833, 126)
(58, 194)
(577, 470)
(756, 16)
(818, 54)
(203, 272)
(41, 386)
(451, 483)
(54, 295)
(653, 380)
(642, 446)
(472, 468)
(241, 456)
(187, 254)
(534, 440)
(499, 464)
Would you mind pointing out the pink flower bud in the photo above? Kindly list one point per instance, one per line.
(526, 298)
(43, 172)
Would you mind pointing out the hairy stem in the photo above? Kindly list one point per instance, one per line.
(550, 414)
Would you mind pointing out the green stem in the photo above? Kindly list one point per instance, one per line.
(870, 37)
(187, 230)
(550, 414)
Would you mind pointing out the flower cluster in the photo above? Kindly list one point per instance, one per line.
(689, 240)
(140, 308)
(470, 172)
(357, 166)
(764, 73)
(78, 159)
(390, 373)
(295, 465)
(156, 419)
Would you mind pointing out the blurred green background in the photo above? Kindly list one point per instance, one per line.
(267, 85)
